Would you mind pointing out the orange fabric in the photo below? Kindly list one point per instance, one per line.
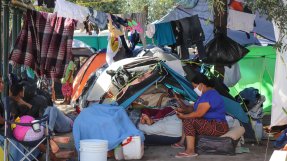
(238, 6)
(90, 66)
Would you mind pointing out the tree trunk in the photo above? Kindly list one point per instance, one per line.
(220, 26)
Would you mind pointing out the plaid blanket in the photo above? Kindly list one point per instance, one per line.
(44, 43)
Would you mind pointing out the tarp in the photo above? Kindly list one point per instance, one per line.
(104, 122)
(91, 65)
(257, 70)
(279, 102)
(263, 27)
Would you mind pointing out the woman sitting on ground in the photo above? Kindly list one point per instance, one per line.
(205, 117)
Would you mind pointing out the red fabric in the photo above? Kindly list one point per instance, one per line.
(67, 89)
(193, 127)
(238, 6)
(44, 43)
(157, 114)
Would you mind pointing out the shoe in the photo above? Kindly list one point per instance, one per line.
(177, 146)
(185, 155)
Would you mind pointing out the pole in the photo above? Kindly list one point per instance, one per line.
(14, 13)
(5, 64)
(19, 18)
(1, 49)
(220, 26)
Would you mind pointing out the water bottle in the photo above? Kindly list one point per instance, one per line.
(258, 129)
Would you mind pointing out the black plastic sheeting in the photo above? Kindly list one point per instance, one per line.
(223, 51)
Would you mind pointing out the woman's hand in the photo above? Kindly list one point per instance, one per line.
(177, 96)
(22, 102)
(180, 115)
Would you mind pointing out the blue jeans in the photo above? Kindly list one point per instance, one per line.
(58, 121)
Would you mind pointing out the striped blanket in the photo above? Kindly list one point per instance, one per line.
(44, 43)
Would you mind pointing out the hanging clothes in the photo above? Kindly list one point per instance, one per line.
(232, 75)
(141, 19)
(114, 44)
(164, 34)
(150, 30)
(44, 43)
(188, 31)
(70, 10)
(99, 18)
(117, 21)
(240, 21)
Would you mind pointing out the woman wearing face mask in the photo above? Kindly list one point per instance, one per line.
(205, 117)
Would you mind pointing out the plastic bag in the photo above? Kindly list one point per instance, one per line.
(224, 51)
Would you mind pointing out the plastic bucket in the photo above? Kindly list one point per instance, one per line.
(91, 150)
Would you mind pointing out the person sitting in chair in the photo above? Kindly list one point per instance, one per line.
(205, 117)
(23, 112)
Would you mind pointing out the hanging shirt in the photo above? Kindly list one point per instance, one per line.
(240, 21)
(164, 34)
(70, 10)
(100, 19)
(232, 75)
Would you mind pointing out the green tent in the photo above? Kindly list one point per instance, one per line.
(257, 70)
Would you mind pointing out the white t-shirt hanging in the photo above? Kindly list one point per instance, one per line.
(240, 21)
(232, 75)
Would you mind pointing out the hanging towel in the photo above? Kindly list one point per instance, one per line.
(240, 21)
(70, 10)
(164, 34)
(44, 43)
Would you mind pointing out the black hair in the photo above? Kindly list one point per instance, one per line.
(16, 88)
(201, 78)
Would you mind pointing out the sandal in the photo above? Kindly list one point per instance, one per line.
(186, 155)
(177, 146)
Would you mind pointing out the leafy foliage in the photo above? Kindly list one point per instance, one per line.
(275, 10)
(156, 8)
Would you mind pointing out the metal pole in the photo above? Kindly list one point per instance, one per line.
(14, 12)
(5, 65)
(19, 18)
(1, 49)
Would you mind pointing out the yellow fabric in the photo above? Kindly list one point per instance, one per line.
(114, 31)
(2, 155)
(69, 73)
(114, 44)
(13, 126)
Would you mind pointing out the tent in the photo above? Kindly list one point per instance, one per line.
(147, 72)
(263, 33)
(91, 65)
(279, 102)
(257, 70)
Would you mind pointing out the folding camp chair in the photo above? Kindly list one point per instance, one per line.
(29, 147)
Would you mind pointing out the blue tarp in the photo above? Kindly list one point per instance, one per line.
(104, 122)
